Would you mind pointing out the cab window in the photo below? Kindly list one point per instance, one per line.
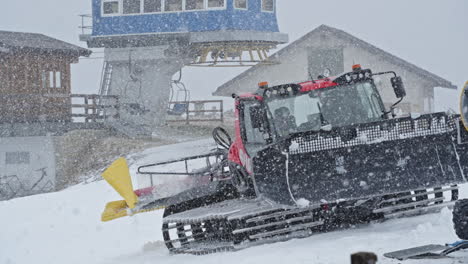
(253, 126)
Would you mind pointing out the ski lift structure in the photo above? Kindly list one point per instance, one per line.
(179, 100)
(159, 37)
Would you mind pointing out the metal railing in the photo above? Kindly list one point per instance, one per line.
(196, 111)
(86, 24)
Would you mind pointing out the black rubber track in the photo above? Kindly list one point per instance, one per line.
(460, 218)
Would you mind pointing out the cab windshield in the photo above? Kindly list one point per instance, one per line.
(336, 106)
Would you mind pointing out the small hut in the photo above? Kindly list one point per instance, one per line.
(35, 77)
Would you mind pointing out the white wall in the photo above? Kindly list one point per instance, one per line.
(293, 68)
(447, 99)
(418, 90)
(28, 174)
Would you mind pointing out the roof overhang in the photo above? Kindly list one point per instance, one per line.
(187, 38)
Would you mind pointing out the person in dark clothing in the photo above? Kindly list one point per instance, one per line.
(284, 121)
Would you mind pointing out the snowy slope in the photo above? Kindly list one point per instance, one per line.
(65, 227)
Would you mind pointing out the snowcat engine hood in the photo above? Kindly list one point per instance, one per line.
(366, 160)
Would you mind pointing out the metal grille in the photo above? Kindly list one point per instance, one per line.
(372, 134)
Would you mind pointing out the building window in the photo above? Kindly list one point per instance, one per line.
(51, 79)
(152, 6)
(14, 158)
(268, 5)
(172, 5)
(194, 4)
(58, 79)
(240, 4)
(110, 7)
(44, 79)
(216, 3)
(131, 6)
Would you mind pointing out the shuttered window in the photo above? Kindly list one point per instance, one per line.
(51, 79)
(216, 3)
(194, 4)
(240, 4)
(173, 5)
(110, 7)
(152, 6)
(131, 6)
(268, 5)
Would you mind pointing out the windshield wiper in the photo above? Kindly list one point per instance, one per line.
(324, 123)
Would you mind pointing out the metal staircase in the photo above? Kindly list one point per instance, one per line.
(106, 79)
(127, 129)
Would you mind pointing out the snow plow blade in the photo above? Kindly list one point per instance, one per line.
(365, 161)
(114, 210)
(118, 176)
(119, 209)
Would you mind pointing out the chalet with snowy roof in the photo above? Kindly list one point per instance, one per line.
(35, 77)
(334, 51)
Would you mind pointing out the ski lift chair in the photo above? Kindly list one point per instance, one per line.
(178, 109)
(182, 98)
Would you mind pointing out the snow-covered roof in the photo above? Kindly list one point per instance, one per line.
(17, 41)
(225, 89)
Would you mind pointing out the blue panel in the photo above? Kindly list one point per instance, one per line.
(193, 21)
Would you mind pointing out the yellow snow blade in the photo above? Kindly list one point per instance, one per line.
(119, 209)
(118, 176)
(114, 210)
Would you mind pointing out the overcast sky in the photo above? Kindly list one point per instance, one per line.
(432, 34)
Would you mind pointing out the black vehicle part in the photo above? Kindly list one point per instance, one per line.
(211, 167)
(242, 180)
(221, 193)
(387, 169)
(460, 218)
(240, 223)
(387, 157)
(222, 138)
(428, 251)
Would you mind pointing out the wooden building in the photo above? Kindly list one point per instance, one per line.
(35, 77)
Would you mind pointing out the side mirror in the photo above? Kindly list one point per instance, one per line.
(398, 87)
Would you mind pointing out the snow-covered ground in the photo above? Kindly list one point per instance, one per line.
(65, 228)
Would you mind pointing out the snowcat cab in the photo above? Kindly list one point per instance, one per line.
(306, 158)
(274, 114)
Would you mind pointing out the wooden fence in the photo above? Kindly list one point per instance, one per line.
(196, 111)
(93, 107)
(57, 108)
